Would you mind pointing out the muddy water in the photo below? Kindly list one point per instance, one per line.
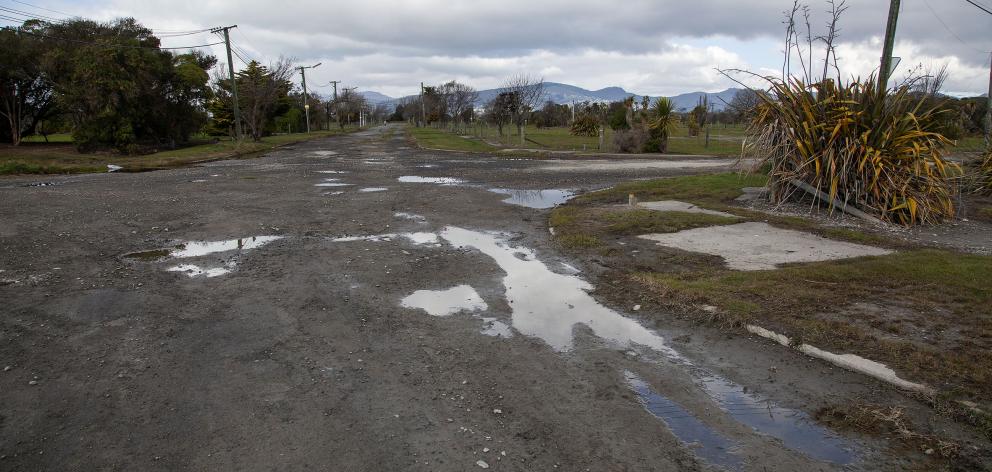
(202, 248)
(446, 302)
(705, 442)
(539, 199)
(528, 282)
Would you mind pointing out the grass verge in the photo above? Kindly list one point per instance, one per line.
(62, 158)
(439, 139)
(924, 312)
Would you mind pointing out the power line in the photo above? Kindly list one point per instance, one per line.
(108, 46)
(980, 7)
(42, 8)
(949, 30)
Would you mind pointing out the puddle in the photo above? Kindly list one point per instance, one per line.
(539, 199)
(794, 428)
(327, 194)
(113, 168)
(427, 166)
(202, 248)
(197, 181)
(702, 440)
(331, 172)
(373, 189)
(415, 238)
(196, 271)
(446, 302)
(528, 283)
(332, 179)
(331, 184)
(494, 327)
(410, 216)
(325, 153)
(760, 246)
(430, 180)
(154, 254)
(39, 184)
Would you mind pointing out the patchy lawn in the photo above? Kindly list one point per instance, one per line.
(924, 312)
(33, 157)
(440, 139)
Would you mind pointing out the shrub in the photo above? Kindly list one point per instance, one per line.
(878, 151)
(631, 140)
(585, 125)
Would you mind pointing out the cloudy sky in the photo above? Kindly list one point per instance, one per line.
(651, 47)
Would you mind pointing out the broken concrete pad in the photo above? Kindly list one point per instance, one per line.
(675, 205)
(760, 246)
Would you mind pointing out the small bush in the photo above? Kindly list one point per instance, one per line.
(878, 151)
(631, 140)
(585, 125)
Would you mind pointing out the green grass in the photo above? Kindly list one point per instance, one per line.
(803, 301)
(62, 157)
(52, 138)
(931, 322)
(725, 140)
(713, 190)
(969, 144)
(439, 139)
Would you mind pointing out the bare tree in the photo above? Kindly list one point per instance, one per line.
(743, 104)
(524, 94)
(458, 98)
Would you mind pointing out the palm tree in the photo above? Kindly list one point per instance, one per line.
(663, 122)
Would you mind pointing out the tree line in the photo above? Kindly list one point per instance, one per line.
(113, 86)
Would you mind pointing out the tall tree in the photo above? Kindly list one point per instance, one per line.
(263, 94)
(26, 93)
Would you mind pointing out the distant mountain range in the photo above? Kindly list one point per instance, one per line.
(567, 94)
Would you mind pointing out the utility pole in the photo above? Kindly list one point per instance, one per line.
(306, 105)
(335, 84)
(988, 111)
(890, 36)
(423, 107)
(234, 83)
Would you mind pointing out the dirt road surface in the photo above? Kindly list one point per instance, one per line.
(138, 333)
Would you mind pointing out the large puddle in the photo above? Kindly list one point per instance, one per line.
(203, 248)
(528, 284)
(539, 199)
(548, 305)
(703, 441)
(446, 302)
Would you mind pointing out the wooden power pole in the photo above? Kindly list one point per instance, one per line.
(890, 35)
(234, 83)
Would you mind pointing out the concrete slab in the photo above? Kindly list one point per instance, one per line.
(760, 246)
(675, 205)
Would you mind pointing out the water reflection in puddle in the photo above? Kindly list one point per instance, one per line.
(796, 430)
(539, 199)
(430, 180)
(410, 216)
(193, 270)
(202, 248)
(191, 249)
(446, 302)
(331, 172)
(373, 189)
(331, 184)
(704, 442)
(528, 283)
(415, 238)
